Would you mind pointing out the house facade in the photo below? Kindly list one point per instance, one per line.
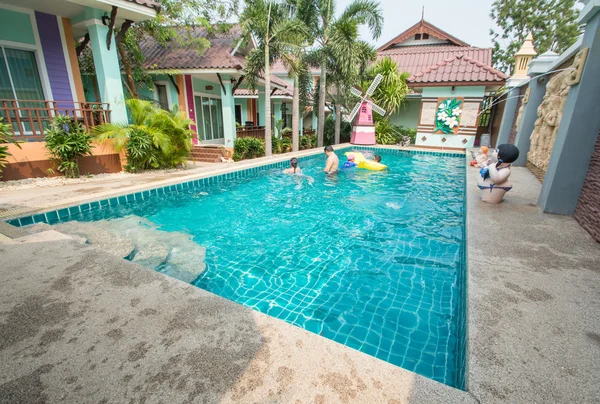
(40, 76)
(210, 86)
(449, 81)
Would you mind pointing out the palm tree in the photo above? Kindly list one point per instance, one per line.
(392, 91)
(319, 16)
(270, 22)
(346, 60)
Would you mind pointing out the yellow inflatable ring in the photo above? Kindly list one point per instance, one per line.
(366, 164)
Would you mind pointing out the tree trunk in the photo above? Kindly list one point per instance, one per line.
(128, 72)
(322, 95)
(268, 144)
(296, 116)
(338, 116)
(338, 123)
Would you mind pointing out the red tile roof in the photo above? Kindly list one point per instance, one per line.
(458, 69)
(450, 61)
(173, 56)
(417, 59)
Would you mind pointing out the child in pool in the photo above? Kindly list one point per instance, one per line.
(294, 169)
(350, 163)
(377, 158)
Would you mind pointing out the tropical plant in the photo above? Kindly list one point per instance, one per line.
(347, 60)
(308, 142)
(553, 24)
(6, 138)
(287, 131)
(386, 132)
(155, 138)
(248, 148)
(320, 17)
(176, 125)
(392, 91)
(411, 133)
(66, 142)
(281, 145)
(330, 131)
(272, 25)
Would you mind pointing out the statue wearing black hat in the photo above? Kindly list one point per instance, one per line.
(493, 180)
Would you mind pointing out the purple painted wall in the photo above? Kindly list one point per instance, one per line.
(55, 59)
(189, 93)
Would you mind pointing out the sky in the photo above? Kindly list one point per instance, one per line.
(467, 20)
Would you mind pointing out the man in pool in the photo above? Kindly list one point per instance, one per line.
(332, 164)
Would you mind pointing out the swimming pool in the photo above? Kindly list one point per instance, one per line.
(372, 260)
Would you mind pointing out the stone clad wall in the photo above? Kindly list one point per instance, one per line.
(549, 116)
(587, 212)
(517, 118)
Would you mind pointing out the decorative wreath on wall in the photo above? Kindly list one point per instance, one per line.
(447, 117)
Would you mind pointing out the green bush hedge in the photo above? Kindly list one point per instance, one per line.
(248, 148)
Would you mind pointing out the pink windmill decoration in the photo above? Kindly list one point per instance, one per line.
(363, 131)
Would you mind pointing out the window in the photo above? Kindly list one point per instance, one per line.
(20, 81)
(209, 118)
(425, 36)
(161, 96)
(417, 37)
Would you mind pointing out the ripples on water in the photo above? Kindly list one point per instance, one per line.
(369, 259)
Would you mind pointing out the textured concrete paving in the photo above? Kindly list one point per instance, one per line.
(534, 301)
(78, 325)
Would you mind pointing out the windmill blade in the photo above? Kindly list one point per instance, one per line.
(374, 84)
(354, 112)
(377, 109)
(356, 92)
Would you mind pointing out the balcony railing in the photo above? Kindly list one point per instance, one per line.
(257, 132)
(30, 119)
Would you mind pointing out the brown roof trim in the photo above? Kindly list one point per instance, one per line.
(420, 28)
(456, 83)
(147, 3)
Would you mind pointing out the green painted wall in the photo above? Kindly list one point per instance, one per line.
(144, 91)
(200, 86)
(459, 91)
(407, 115)
(16, 27)
(88, 87)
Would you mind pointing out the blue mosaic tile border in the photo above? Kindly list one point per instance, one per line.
(64, 213)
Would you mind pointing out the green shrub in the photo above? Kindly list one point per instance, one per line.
(6, 137)
(329, 131)
(281, 145)
(411, 133)
(248, 148)
(155, 138)
(386, 132)
(140, 152)
(308, 142)
(287, 131)
(66, 142)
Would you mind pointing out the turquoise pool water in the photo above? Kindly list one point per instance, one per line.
(372, 260)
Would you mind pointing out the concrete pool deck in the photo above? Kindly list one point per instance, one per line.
(79, 325)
